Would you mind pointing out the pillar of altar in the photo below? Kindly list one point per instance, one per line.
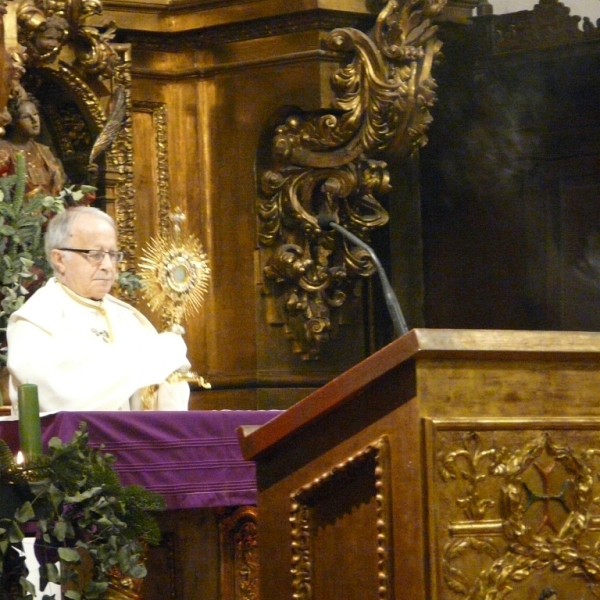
(210, 84)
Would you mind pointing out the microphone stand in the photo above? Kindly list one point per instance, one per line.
(391, 300)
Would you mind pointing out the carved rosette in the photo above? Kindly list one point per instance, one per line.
(323, 168)
(524, 517)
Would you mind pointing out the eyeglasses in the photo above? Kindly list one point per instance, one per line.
(95, 257)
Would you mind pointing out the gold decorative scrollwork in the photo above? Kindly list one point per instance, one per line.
(546, 503)
(472, 464)
(239, 548)
(158, 113)
(302, 568)
(246, 556)
(455, 579)
(45, 28)
(323, 168)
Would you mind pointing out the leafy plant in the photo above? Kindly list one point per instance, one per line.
(80, 513)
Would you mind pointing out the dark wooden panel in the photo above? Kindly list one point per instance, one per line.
(510, 186)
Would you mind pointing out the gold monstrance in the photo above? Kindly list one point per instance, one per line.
(175, 273)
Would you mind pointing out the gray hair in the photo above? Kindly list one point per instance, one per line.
(60, 227)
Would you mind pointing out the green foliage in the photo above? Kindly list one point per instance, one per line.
(127, 285)
(78, 506)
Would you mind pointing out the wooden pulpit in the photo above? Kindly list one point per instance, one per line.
(451, 464)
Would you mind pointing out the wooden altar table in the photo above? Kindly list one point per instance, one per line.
(193, 459)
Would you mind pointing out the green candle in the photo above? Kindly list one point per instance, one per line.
(30, 430)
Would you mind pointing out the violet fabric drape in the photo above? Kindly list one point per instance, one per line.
(191, 458)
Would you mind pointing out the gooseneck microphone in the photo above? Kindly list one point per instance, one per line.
(326, 222)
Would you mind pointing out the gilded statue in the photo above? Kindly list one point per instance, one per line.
(45, 173)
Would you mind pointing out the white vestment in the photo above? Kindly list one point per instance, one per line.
(91, 355)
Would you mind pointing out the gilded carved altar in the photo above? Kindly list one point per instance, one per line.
(80, 78)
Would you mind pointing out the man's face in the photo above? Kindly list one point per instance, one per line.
(75, 270)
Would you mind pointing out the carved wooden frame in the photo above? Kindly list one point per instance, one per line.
(239, 554)
(305, 501)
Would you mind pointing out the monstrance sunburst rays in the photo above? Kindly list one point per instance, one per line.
(175, 275)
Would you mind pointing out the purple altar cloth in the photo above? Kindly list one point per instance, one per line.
(192, 459)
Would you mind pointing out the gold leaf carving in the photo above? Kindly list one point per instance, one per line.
(239, 548)
(323, 168)
(472, 465)
(45, 29)
(544, 494)
(158, 112)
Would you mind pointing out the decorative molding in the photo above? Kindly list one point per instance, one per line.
(278, 25)
(305, 500)
(169, 543)
(549, 24)
(178, 72)
(239, 554)
(326, 166)
(120, 164)
(158, 112)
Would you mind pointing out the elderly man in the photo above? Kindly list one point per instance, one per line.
(83, 348)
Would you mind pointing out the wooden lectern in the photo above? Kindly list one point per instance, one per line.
(450, 465)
